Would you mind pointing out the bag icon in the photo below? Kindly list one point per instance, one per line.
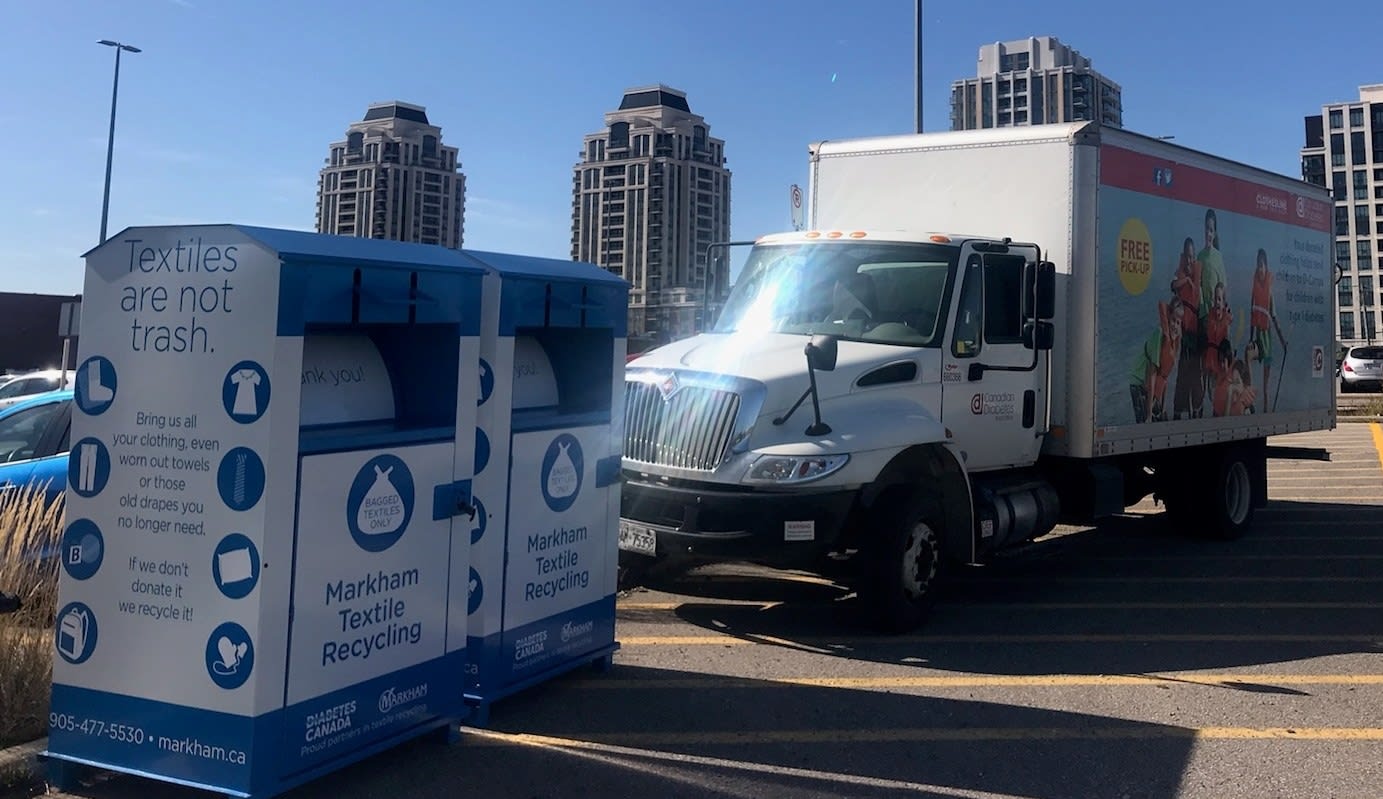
(562, 477)
(381, 511)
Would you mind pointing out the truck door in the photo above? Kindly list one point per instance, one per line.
(993, 386)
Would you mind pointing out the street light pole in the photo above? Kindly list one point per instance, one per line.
(918, 47)
(110, 139)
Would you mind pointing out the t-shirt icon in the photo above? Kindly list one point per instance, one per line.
(245, 392)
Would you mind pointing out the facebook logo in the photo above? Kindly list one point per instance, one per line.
(1162, 176)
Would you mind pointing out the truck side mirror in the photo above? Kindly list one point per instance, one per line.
(1040, 284)
(821, 353)
(1039, 335)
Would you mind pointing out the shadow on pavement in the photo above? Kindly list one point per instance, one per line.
(636, 732)
(1130, 596)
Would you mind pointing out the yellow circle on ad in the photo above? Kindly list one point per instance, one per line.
(1135, 256)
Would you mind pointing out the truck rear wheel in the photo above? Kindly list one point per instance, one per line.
(901, 563)
(1214, 497)
(1231, 501)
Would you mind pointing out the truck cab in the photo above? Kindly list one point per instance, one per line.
(865, 394)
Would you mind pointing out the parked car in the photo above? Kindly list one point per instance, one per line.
(35, 435)
(1362, 368)
(28, 385)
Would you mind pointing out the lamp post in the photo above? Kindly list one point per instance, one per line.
(918, 47)
(110, 139)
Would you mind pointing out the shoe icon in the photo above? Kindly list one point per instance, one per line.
(96, 393)
(95, 385)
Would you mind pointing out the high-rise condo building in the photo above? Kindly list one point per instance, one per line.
(1033, 81)
(649, 196)
(392, 178)
(1344, 153)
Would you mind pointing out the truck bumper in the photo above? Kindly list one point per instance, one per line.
(773, 528)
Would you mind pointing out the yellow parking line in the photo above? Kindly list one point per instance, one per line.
(1377, 441)
(1056, 638)
(1132, 731)
(981, 681)
(1085, 605)
(678, 605)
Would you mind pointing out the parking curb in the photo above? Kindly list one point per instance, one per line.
(22, 757)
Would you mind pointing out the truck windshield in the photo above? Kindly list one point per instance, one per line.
(887, 293)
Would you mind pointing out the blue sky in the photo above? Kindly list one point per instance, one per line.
(227, 114)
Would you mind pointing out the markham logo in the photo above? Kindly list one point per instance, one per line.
(570, 631)
(977, 404)
(669, 387)
(1301, 207)
(392, 698)
(1271, 203)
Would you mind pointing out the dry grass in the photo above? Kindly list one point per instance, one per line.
(27, 526)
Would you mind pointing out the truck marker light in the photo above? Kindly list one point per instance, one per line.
(939, 239)
(814, 234)
(858, 234)
(834, 234)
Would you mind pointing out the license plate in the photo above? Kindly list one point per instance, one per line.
(637, 538)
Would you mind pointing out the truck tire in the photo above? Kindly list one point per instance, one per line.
(1231, 500)
(901, 561)
(1214, 497)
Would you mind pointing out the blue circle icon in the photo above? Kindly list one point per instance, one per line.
(563, 466)
(235, 566)
(487, 382)
(94, 389)
(88, 467)
(240, 479)
(475, 593)
(83, 549)
(481, 520)
(76, 633)
(230, 656)
(380, 503)
(482, 450)
(245, 392)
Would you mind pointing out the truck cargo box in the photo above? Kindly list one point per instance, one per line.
(1121, 215)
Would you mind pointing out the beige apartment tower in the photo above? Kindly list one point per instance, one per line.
(649, 196)
(392, 178)
(1034, 81)
(1344, 153)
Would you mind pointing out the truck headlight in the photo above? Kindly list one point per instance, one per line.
(786, 469)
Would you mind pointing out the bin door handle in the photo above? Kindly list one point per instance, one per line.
(608, 471)
(452, 499)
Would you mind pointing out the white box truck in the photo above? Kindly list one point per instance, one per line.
(981, 334)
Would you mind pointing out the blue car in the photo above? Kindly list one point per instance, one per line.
(35, 436)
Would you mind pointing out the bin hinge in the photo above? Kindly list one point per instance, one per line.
(452, 499)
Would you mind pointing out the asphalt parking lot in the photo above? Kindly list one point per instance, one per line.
(1128, 660)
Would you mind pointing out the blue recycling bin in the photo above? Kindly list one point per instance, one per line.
(549, 443)
(268, 531)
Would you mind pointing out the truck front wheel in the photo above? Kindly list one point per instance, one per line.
(901, 563)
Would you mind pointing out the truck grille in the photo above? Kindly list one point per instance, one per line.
(689, 430)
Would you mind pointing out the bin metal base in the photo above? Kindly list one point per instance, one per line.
(65, 772)
(601, 660)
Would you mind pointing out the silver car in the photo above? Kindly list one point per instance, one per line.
(1362, 369)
